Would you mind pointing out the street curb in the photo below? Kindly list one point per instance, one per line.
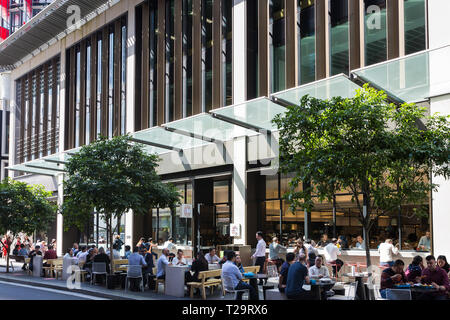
(49, 286)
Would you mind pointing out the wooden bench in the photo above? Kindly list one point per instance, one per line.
(55, 265)
(120, 265)
(208, 280)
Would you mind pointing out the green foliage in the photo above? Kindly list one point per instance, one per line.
(366, 146)
(24, 208)
(113, 177)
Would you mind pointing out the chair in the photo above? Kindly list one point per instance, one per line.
(398, 294)
(227, 285)
(97, 268)
(158, 281)
(134, 272)
(377, 293)
(272, 271)
(351, 293)
(208, 279)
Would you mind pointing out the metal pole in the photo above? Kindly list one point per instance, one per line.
(198, 227)
(399, 224)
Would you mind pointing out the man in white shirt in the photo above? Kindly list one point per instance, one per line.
(211, 256)
(260, 253)
(169, 244)
(331, 255)
(116, 254)
(310, 247)
(179, 260)
(81, 256)
(318, 271)
(386, 251)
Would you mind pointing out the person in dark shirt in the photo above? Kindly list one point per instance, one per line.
(392, 276)
(438, 278)
(443, 264)
(414, 272)
(297, 278)
(103, 257)
(16, 250)
(32, 254)
(290, 257)
(50, 253)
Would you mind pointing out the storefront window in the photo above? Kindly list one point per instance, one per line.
(406, 225)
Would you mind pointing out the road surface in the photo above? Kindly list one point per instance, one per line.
(13, 291)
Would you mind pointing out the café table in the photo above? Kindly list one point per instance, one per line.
(319, 288)
(360, 290)
(175, 281)
(417, 291)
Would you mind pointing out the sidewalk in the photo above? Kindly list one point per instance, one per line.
(19, 276)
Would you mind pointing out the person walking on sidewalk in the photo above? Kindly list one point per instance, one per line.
(260, 253)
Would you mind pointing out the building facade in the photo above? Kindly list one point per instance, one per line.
(198, 82)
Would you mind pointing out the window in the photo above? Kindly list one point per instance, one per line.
(307, 41)
(339, 37)
(415, 30)
(99, 84)
(153, 114)
(170, 58)
(111, 86)
(78, 97)
(187, 58)
(207, 56)
(123, 77)
(88, 92)
(375, 31)
(277, 45)
(252, 50)
(227, 51)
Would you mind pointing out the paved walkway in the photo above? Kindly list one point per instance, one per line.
(20, 277)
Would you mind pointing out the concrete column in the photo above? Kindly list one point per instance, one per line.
(239, 51)
(60, 179)
(60, 245)
(131, 70)
(240, 188)
(438, 25)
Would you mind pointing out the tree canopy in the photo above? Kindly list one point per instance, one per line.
(112, 177)
(373, 149)
(24, 208)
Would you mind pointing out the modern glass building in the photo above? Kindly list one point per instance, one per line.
(198, 82)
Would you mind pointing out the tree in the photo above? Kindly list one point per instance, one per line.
(24, 208)
(364, 145)
(112, 177)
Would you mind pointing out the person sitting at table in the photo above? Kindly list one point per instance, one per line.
(50, 253)
(82, 254)
(414, 271)
(392, 276)
(311, 247)
(318, 271)
(360, 243)
(230, 272)
(198, 265)
(127, 252)
(75, 249)
(116, 254)
(300, 249)
(163, 262)
(323, 242)
(425, 242)
(136, 259)
(23, 253)
(311, 259)
(443, 264)
(90, 258)
(103, 257)
(169, 244)
(297, 278)
(16, 250)
(290, 259)
(274, 252)
(179, 260)
(211, 257)
(437, 277)
(36, 252)
(239, 263)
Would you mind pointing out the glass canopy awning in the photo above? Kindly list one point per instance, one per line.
(221, 125)
(413, 78)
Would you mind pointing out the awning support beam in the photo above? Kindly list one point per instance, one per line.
(192, 135)
(157, 145)
(240, 123)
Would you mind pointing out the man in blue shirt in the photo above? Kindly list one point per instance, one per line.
(163, 262)
(231, 272)
(297, 278)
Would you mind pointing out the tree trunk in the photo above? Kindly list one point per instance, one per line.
(367, 245)
(111, 253)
